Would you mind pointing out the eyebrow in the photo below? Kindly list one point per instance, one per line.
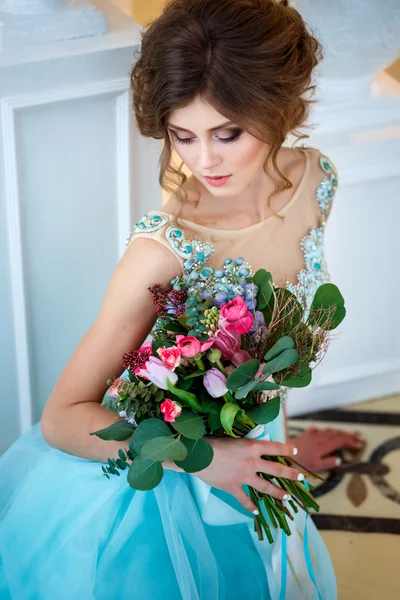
(170, 126)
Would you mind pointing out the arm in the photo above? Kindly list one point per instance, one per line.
(73, 409)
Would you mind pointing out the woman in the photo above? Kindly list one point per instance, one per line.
(223, 83)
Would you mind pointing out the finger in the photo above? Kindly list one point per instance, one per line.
(327, 464)
(338, 442)
(275, 448)
(266, 487)
(245, 500)
(278, 470)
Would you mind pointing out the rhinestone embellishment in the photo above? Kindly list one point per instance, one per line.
(179, 242)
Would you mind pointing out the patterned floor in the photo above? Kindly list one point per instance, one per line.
(360, 500)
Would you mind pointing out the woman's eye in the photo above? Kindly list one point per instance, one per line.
(227, 140)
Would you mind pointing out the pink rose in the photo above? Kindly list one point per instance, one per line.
(191, 346)
(170, 410)
(158, 373)
(115, 388)
(147, 347)
(237, 315)
(171, 357)
(145, 352)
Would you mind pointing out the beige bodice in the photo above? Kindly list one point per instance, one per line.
(291, 249)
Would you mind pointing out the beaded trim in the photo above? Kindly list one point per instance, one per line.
(179, 242)
(147, 224)
(316, 271)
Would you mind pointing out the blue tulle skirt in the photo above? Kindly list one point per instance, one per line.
(67, 532)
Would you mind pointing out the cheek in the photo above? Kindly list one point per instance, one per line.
(251, 153)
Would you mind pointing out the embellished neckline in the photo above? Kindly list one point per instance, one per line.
(282, 212)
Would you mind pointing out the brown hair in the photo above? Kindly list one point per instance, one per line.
(251, 60)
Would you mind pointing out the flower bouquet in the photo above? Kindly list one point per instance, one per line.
(225, 345)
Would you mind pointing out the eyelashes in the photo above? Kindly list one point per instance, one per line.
(229, 140)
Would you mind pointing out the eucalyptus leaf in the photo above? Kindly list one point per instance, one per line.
(119, 431)
(190, 425)
(164, 448)
(228, 414)
(263, 280)
(266, 412)
(284, 360)
(327, 296)
(285, 343)
(144, 474)
(303, 379)
(200, 455)
(243, 374)
(149, 429)
(266, 385)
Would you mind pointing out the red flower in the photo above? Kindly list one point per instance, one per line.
(170, 410)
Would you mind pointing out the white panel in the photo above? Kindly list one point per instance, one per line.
(67, 172)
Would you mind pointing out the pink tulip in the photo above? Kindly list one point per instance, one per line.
(237, 315)
(156, 372)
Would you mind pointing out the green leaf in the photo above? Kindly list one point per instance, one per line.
(119, 431)
(187, 398)
(283, 361)
(303, 379)
(159, 344)
(285, 343)
(326, 296)
(164, 448)
(145, 474)
(266, 412)
(228, 414)
(175, 327)
(246, 389)
(263, 279)
(149, 429)
(189, 425)
(210, 405)
(192, 375)
(214, 422)
(200, 455)
(243, 374)
(266, 385)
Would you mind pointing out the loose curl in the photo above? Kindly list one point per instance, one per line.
(251, 60)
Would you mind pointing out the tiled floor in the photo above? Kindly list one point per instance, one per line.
(360, 504)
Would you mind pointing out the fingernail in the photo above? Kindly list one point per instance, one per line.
(300, 477)
(256, 512)
(295, 451)
(338, 461)
(286, 497)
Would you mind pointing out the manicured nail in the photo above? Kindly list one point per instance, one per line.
(338, 461)
(300, 477)
(286, 497)
(256, 512)
(295, 451)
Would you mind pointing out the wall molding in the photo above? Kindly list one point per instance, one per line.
(9, 106)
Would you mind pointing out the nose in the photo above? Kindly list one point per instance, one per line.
(209, 158)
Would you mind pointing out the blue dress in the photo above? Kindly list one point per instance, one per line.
(67, 532)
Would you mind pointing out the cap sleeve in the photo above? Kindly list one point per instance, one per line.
(327, 187)
(159, 227)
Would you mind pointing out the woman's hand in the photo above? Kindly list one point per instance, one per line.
(237, 462)
(315, 445)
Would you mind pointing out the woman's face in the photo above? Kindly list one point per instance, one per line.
(208, 149)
